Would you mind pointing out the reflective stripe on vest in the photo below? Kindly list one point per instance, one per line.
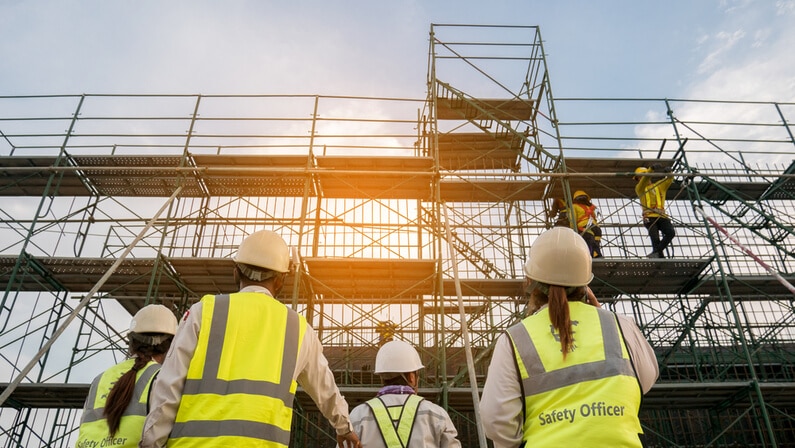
(93, 425)
(404, 415)
(592, 395)
(586, 216)
(652, 198)
(240, 389)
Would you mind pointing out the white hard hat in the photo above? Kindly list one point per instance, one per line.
(560, 257)
(397, 357)
(264, 249)
(154, 319)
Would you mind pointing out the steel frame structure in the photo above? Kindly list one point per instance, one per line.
(410, 219)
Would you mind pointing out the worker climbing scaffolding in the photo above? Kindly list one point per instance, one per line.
(651, 191)
(587, 222)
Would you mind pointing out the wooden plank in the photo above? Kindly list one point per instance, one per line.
(491, 191)
(260, 176)
(357, 278)
(375, 177)
(509, 109)
(611, 186)
(486, 287)
(479, 151)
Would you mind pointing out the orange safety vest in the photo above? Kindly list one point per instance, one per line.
(585, 213)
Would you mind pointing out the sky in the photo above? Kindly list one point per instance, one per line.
(705, 49)
(689, 49)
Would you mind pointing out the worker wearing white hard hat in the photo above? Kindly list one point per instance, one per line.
(397, 416)
(237, 359)
(571, 373)
(118, 399)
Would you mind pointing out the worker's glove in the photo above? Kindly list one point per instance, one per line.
(657, 167)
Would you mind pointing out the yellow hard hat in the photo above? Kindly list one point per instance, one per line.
(640, 170)
(559, 256)
(579, 193)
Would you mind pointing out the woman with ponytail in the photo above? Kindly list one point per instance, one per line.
(117, 402)
(571, 373)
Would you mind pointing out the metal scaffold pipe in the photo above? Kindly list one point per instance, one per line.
(46, 347)
(748, 252)
(465, 332)
(225, 169)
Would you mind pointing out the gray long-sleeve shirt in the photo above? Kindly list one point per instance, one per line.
(501, 403)
(311, 371)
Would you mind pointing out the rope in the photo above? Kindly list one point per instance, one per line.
(769, 268)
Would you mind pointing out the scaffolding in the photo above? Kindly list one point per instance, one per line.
(410, 219)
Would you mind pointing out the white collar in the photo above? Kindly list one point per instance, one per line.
(257, 288)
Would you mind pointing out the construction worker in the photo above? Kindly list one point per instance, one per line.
(232, 372)
(397, 417)
(587, 223)
(118, 399)
(651, 192)
(559, 211)
(572, 373)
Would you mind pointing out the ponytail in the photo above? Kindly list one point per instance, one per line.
(557, 298)
(121, 394)
(559, 317)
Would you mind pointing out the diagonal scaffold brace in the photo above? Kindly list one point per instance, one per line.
(46, 347)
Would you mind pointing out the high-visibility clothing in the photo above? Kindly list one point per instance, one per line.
(239, 388)
(593, 395)
(431, 427)
(395, 422)
(586, 216)
(652, 196)
(94, 431)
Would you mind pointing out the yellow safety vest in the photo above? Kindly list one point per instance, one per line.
(652, 196)
(94, 431)
(239, 388)
(387, 417)
(586, 216)
(593, 396)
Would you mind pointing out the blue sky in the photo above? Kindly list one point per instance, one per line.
(699, 49)
(706, 49)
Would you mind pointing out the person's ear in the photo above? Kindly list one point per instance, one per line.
(278, 282)
(415, 379)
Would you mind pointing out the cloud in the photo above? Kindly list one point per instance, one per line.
(725, 43)
(751, 66)
(746, 56)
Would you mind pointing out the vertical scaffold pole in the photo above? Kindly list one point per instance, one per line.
(473, 382)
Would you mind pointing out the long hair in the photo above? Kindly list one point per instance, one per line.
(122, 392)
(557, 298)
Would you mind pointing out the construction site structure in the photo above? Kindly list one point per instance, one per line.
(410, 219)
